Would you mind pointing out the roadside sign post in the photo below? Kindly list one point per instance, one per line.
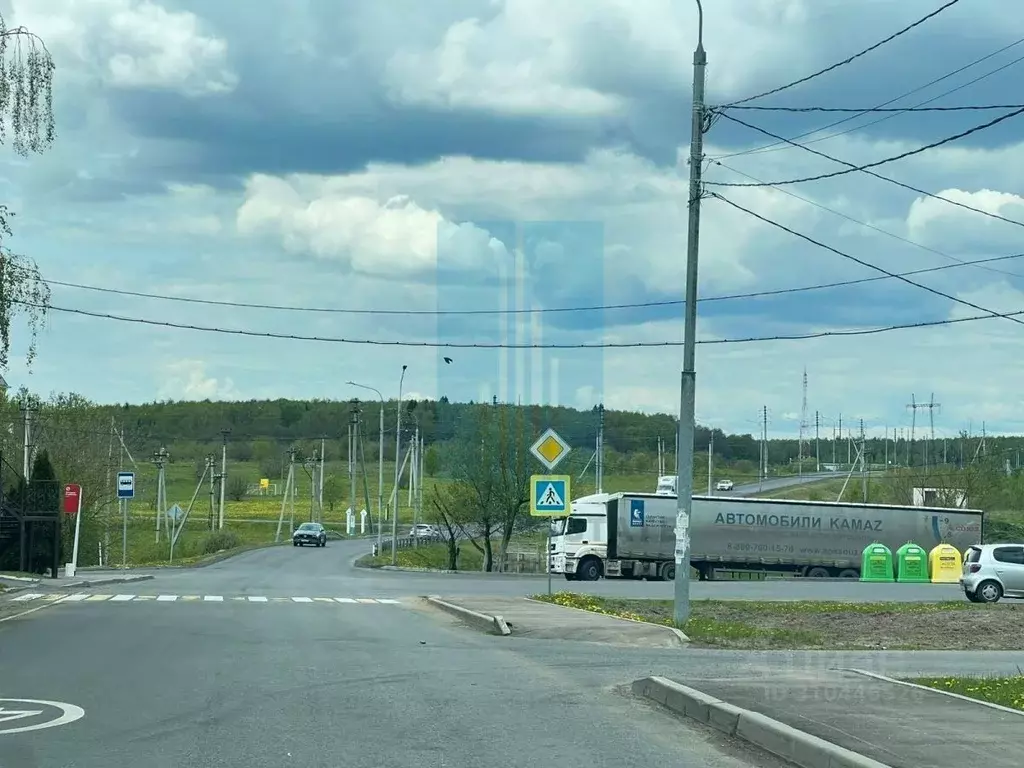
(73, 506)
(125, 492)
(175, 515)
(550, 494)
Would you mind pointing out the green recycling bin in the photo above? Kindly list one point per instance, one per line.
(876, 563)
(912, 564)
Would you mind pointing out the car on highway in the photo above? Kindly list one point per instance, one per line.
(993, 571)
(309, 533)
(724, 485)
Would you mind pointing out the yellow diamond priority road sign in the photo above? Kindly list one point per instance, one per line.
(550, 449)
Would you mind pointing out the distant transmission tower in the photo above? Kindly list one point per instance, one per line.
(914, 406)
(803, 426)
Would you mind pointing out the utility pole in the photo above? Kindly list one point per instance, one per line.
(398, 461)
(837, 438)
(764, 445)
(803, 427)
(289, 491)
(600, 448)
(320, 484)
(863, 466)
(817, 442)
(380, 481)
(223, 474)
(711, 454)
(26, 420)
(414, 486)
(160, 459)
(353, 437)
(210, 463)
(688, 377)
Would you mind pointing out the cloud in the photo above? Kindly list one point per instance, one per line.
(188, 380)
(132, 44)
(369, 175)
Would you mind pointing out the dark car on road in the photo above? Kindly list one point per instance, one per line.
(310, 533)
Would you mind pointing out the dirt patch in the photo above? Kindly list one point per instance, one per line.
(827, 625)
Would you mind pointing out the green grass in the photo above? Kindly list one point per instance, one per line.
(823, 625)
(433, 556)
(1006, 691)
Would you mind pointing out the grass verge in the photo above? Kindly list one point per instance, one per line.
(433, 556)
(806, 625)
(1006, 691)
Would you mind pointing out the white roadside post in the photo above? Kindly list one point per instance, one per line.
(73, 506)
(550, 495)
(125, 492)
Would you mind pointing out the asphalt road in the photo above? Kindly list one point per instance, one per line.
(328, 572)
(778, 483)
(321, 684)
(236, 684)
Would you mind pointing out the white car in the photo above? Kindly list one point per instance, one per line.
(424, 531)
(724, 485)
(993, 571)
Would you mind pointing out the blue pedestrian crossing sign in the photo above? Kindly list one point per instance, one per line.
(549, 495)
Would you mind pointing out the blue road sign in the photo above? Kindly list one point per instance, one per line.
(636, 513)
(126, 485)
(175, 513)
(549, 495)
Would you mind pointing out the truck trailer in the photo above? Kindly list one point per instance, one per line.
(633, 535)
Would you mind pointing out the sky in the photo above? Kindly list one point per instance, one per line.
(525, 164)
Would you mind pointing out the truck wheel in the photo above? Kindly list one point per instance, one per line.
(589, 569)
(668, 573)
(818, 573)
(849, 573)
(570, 577)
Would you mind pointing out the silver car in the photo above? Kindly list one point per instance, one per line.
(993, 571)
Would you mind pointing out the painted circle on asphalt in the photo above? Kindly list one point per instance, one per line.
(22, 715)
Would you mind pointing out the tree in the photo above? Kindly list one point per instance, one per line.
(237, 488)
(44, 497)
(26, 115)
(490, 459)
(450, 510)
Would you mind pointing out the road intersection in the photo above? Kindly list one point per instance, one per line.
(248, 682)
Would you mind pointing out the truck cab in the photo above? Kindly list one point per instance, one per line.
(666, 486)
(579, 543)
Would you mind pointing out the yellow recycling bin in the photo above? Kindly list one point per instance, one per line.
(946, 564)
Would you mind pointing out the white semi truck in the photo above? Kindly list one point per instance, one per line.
(632, 535)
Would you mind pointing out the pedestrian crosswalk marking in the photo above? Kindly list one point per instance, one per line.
(80, 597)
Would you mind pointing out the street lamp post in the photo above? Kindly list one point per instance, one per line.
(380, 467)
(398, 441)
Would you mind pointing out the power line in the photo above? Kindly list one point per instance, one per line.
(936, 292)
(461, 345)
(868, 110)
(849, 59)
(927, 194)
(777, 145)
(584, 308)
(901, 156)
(961, 262)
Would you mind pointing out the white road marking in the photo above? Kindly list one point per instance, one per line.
(365, 600)
(77, 597)
(122, 598)
(213, 599)
(166, 598)
(257, 599)
(69, 713)
(26, 598)
(387, 601)
(344, 599)
(302, 599)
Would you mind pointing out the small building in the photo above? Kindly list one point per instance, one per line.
(955, 498)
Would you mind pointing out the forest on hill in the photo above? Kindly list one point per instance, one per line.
(262, 431)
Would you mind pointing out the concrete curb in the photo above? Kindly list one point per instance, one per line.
(680, 635)
(26, 579)
(102, 582)
(494, 624)
(798, 747)
(950, 694)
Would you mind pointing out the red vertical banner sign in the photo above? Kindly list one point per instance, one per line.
(72, 499)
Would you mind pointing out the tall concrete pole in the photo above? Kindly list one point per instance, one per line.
(398, 464)
(688, 383)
